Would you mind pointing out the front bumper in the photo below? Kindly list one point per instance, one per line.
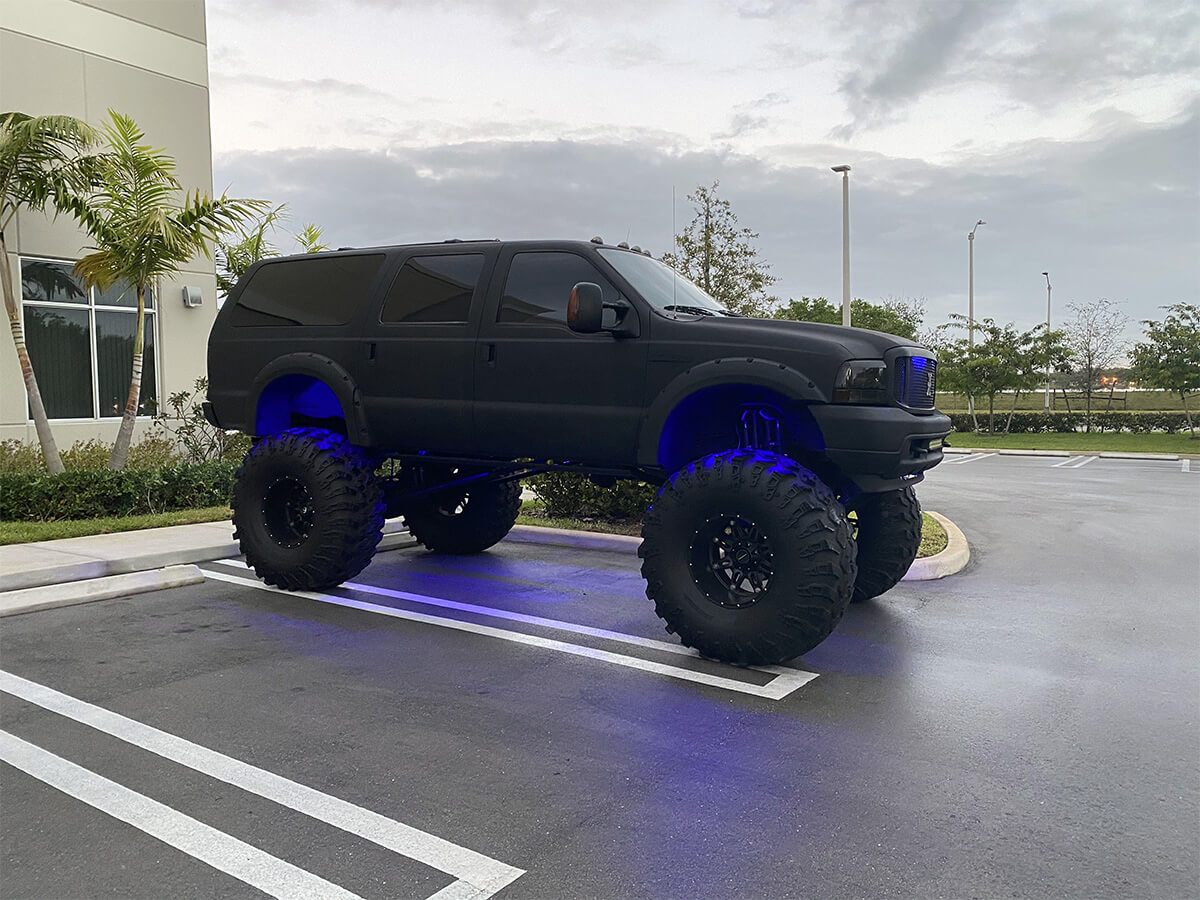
(878, 446)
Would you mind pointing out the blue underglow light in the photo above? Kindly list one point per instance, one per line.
(299, 394)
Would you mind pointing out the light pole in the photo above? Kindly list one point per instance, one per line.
(971, 284)
(845, 170)
(971, 299)
(1047, 274)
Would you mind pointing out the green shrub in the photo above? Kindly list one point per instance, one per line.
(18, 457)
(39, 496)
(568, 495)
(152, 452)
(1067, 422)
(87, 456)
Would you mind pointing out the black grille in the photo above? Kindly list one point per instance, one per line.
(916, 382)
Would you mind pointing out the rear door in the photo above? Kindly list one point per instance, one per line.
(541, 390)
(419, 346)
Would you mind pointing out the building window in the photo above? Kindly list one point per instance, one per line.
(81, 342)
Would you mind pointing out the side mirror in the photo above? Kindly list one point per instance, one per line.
(585, 309)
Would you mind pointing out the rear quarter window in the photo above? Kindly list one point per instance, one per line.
(323, 290)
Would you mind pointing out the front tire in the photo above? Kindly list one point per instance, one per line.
(307, 509)
(889, 536)
(748, 557)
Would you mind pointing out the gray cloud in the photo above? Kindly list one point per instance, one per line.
(1114, 216)
(350, 90)
(1040, 54)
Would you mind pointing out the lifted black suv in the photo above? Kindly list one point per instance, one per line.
(426, 380)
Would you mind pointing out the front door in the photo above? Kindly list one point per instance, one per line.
(541, 390)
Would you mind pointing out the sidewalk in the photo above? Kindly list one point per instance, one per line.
(99, 555)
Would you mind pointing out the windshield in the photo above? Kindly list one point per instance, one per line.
(661, 285)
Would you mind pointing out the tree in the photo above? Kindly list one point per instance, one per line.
(1094, 338)
(142, 233)
(1169, 358)
(893, 316)
(40, 158)
(984, 369)
(236, 255)
(718, 255)
(1038, 351)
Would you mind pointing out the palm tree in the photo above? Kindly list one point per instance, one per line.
(40, 160)
(236, 255)
(142, 233)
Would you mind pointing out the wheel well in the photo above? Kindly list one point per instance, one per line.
(710, 420)
(298, 400)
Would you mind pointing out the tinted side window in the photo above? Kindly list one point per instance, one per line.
(434, 289)
(539, 286)
(324, 290)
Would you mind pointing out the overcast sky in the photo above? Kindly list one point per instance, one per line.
(1072, 128)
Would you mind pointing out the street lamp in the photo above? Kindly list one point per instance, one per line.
(845, 170)
(971, 300)
(971, 284)
(1047, 274)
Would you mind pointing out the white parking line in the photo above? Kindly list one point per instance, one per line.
(966, 459)
(484, 874)
(556, 624)
(1185, 465)
(223, 852)
(1074, 462)
(785, 681)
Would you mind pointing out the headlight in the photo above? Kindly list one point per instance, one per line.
(861, 381)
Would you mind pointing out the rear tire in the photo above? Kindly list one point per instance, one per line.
(889, 536)
(307, 509)
(466, 522)
(748, 557)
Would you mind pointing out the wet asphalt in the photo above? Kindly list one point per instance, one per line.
(1027, 728)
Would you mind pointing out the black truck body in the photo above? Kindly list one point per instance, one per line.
(426, 380)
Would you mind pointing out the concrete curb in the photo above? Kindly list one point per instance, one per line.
(566, 537)
(52, 596)
(953, 559)
(395, 537)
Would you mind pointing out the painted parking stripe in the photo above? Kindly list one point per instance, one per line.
(776, 689)
(1185, 465)
(972, 458)
(1074, 462)
(555, 624)
(481, 872)
(223, 852)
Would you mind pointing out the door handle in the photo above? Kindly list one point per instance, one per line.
(489, 354)
(371, 351)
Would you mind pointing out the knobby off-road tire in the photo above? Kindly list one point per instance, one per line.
(307, 509)
(748, 557)
(889, 535)
(466, 522)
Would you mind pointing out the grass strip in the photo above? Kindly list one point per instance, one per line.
(28, 532)
(1093, 442)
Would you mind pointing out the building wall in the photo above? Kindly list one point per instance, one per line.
(145, 58)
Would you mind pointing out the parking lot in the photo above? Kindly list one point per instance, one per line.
(519, 722)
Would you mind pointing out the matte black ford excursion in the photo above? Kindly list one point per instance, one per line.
(426, 380)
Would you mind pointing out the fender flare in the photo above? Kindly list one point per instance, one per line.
(765, 373)
(324, 370)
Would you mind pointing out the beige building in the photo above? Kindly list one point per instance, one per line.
(148, 59)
